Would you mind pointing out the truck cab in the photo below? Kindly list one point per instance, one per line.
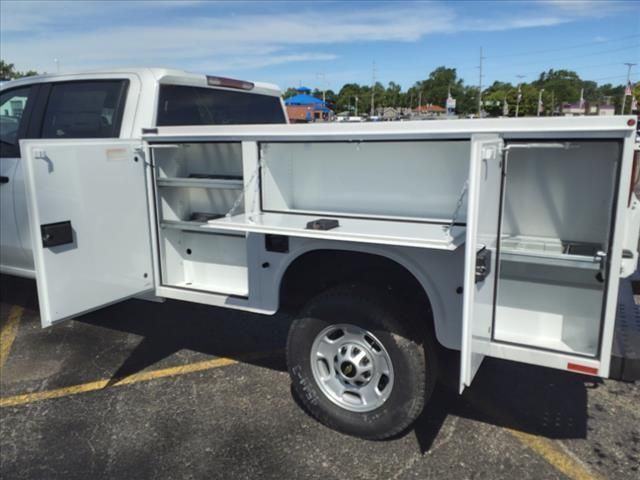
(108, 104)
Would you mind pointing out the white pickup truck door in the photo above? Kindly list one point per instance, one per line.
(89, 219)
(483, 217)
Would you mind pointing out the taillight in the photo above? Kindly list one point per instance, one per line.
(229, 83)
(635, 174)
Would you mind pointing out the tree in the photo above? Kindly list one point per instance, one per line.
(345, 100)
(495, 96)
(8, 71)
(393, 95)
(560, 87)
(437, 86)
(290, 92)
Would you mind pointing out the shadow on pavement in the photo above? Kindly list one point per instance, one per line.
(19, 291)
(535, 400)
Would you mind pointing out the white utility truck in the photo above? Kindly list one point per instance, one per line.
(108, 104)
(500, 238)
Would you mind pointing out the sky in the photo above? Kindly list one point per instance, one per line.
(325, 44)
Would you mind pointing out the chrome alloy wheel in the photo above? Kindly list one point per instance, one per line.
(352, 367)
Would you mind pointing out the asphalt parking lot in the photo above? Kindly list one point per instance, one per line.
(177, 390)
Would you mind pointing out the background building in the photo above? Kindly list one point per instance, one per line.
(305, 108)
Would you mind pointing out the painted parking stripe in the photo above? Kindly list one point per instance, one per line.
(26, 398)
(549, 450)
(544, 447)
(8, 332)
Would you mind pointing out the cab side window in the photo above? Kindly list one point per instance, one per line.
(91, 109)
(13, 104)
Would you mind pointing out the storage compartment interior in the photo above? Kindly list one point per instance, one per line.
(552, 307)
(197, 183)
(199, 161)
(196, 204)
(205, 261)
(557, 214)
(406, 179)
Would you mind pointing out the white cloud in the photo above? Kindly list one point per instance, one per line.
(33, 15)
(227, 37)
(217, 42)
(589, 8)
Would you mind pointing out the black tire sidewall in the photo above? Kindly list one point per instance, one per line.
(376, 312)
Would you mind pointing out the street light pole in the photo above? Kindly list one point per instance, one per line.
(520, 77)
(540, 100)
(624, 94)
(480, 85)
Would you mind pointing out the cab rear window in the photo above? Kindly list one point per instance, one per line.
(85, 109)
(180, 105)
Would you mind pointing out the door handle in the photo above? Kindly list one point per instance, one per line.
(54, 234)
(4, 179)
(601, 258)
(483, 264)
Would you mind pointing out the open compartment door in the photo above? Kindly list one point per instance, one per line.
(89, 219)
(483, 219)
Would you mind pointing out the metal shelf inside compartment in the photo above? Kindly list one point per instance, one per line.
(231, 184)
(412, 234)
(209, 176)
(550, 251)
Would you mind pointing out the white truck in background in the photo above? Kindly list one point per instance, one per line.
(108, 104)
(503, 238)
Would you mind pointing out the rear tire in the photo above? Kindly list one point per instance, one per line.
(360, 362)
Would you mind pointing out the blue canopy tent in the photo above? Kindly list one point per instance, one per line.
(304, 99)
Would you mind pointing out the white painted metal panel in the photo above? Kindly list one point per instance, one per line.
(543, 127)
(402, 179)
(100, 189)
(11, 253)
(382, 232)
(485, 176)
(614, 256)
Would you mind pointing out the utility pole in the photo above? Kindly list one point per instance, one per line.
(519, 97)
(540, 100)
(480, 86)
(356, 106)
(373, 87)
(419, 100)
(624, 94)
(323, 85)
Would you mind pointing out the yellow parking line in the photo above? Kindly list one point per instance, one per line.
(544, 447)
(8, 332)
(550, 452)
(135, 378)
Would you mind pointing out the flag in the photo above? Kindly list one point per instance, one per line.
(627, 91)
(634, 104)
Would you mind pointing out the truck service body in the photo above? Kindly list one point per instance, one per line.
(502, 238)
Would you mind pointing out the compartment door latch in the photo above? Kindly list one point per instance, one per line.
(483, 264)
(601, 258)
(54, 234)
